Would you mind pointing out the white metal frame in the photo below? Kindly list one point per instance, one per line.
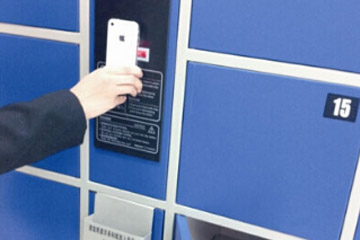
(184, 54)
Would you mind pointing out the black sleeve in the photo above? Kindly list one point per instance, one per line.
(34, 130)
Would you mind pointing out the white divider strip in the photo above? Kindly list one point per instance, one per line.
(353, 209)
(178, 107)
(49, 175)
(42, 33)
(84, 148)
(130, 196)
(272, 67)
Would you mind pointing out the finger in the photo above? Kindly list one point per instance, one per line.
(127, 80)
(120, 100)
(137, 91)
(138, 72)
(126, 89)
(133, 82)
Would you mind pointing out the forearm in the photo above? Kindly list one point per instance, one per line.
(32, 131)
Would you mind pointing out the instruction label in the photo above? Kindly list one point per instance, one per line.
(147, 105)
(134, 127)
(132, 134)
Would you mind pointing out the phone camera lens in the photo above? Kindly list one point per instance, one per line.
(112, 24)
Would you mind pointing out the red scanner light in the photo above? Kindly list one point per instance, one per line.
(141, 54)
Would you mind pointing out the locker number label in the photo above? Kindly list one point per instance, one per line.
(341, 107)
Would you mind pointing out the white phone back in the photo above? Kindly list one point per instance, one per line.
(122, 43)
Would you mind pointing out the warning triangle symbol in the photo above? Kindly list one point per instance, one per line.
(152, 130)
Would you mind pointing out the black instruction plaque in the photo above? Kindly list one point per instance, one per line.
(134, 127)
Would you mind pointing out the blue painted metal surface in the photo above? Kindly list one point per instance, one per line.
(158, 224)
(322, 33)
(132, 173)
(32, 208)
(257, 148)
(32, 67)
(357, 233)
(181, 231)
(58, 14)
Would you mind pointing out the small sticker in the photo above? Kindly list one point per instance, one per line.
(143, 54)
(341, 107)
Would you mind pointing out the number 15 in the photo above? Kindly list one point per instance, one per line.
(342, 107)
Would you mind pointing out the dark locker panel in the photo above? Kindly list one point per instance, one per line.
(321, 33)
(57, 14)
(33, 208)
(33, 67)
(135, 127)
(257, 148)
(128, 172)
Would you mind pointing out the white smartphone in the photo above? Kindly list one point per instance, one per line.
(122, 43)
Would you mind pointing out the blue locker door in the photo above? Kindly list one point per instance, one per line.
(57, 14)
(158, 225)
(257, 148)
(181, 231)
(322, 33)
(36, 209)
(357, 233)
